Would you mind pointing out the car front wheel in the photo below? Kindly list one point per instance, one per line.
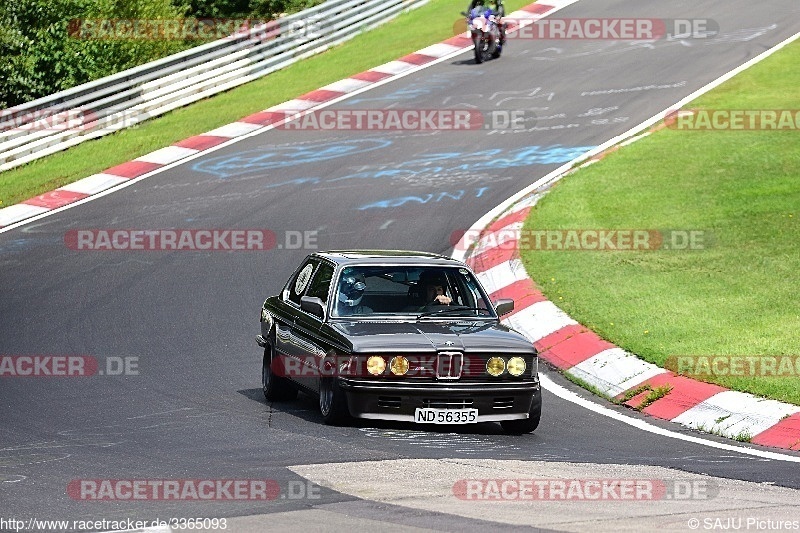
(528, 425)
(276, 388)
(332, 402)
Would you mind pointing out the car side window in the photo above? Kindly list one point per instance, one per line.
(299, 283)
(321, 284)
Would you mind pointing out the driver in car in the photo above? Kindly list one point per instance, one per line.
(434, 285)
(436, 295)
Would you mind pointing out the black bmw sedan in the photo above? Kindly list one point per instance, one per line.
(397, 335)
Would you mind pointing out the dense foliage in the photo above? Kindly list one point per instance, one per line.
(43, 49)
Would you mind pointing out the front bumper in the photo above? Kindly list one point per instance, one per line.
(495, 401)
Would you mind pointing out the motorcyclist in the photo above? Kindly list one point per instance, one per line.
(499, 11)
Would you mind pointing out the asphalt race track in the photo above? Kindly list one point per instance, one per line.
(195, 409)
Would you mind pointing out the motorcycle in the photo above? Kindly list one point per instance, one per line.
(484, 27)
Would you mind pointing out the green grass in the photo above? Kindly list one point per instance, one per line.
(586, 385)
(407, 33)
(740, 295)
(651, 396)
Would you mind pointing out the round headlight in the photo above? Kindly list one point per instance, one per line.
(376, 365)
(399, 365)
(516, 366)
(495, 366)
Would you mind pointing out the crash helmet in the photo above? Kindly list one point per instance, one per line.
(351, 290)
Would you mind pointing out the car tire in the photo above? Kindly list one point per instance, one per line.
(332, 402)
(276, 388)
(528, 425)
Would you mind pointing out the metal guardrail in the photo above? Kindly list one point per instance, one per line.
(127, 98)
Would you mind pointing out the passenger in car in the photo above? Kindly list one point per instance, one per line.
(351, 291)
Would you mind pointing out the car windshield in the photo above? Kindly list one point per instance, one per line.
(449, 292)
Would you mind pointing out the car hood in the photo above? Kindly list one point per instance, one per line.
(429, 335)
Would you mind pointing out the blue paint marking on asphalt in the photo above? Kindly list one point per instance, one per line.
(529, 155)
(409, 93)
(472, 162)
(492, 159)
(297, 181)
(498, 158)
(252, 161)
(23, 244)
(423, 199)
(420, 166)
(391, 173)
(424, 88)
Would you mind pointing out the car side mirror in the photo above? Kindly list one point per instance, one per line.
(504, 306)
(313, 305)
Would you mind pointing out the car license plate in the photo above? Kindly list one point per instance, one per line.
(445, 416)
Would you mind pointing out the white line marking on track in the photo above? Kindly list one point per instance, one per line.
(565, 394)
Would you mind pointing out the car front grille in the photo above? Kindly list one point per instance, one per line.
(449, 365)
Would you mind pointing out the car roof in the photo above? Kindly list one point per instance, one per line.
(380, 257)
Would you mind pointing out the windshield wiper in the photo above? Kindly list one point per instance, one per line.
(452, 309)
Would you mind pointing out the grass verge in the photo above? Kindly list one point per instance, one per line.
(736, 297)
(407, 33)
